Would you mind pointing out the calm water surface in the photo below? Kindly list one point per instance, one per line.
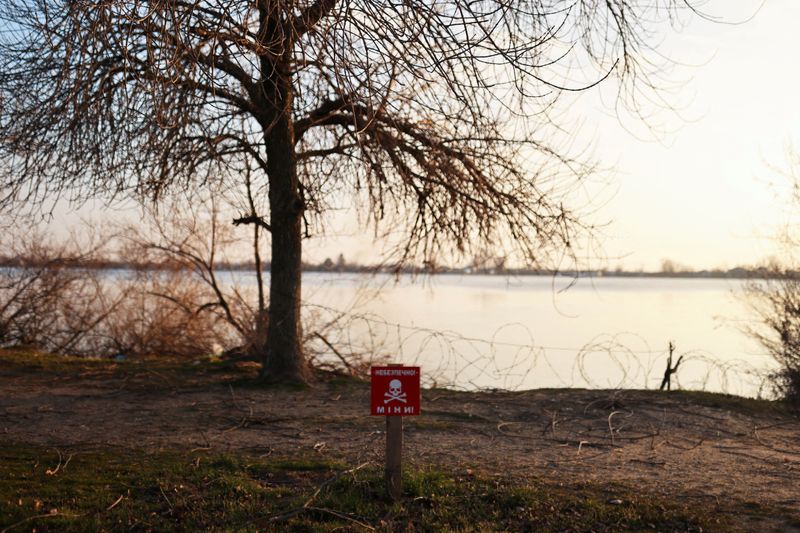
(532, 331)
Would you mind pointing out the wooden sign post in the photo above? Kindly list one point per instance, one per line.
(394, 457)
(395, 392)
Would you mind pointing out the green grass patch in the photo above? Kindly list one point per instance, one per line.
(437, 501)
(71, 490)
(26, 360)
(77, 490)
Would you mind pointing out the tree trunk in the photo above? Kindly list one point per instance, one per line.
(282, 358)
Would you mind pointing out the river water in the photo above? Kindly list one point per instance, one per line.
(523, 332)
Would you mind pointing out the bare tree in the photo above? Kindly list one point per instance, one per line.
(435, 117)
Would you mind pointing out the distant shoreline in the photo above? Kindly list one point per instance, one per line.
(733, 273)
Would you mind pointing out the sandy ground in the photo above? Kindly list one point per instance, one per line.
(703, 447)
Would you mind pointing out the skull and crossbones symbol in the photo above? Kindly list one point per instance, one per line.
(395, 392)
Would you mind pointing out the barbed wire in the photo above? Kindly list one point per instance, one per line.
(454, 360)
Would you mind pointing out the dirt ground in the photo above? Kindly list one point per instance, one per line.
(707, 448)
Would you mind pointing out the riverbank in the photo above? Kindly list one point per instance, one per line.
(168, 444)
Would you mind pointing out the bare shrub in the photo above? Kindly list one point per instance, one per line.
(773, 294)
(185, 245)
(175, 296)
(158, 316)
(48, 299)
(775, 299)
(57, 297)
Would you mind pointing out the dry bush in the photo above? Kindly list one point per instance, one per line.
(186, 245)
(47, 300)
(57, 297)
(775, 299)
(774, 295)
(172, 299)
(158, 316)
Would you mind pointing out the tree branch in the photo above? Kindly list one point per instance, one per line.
(311, 15)
(252, 219)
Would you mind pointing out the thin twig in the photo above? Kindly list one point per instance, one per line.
(36, 517)
(121, 497)
(507, 434)
(59, 466)
(349, 367)
(610, 427)
(771, 447)
(165, 496)
(342, 516)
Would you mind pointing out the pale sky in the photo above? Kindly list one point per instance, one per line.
(704, 195)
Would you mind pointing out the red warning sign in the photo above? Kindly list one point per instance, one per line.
(395, 390)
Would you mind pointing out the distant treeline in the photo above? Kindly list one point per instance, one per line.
(345, 267)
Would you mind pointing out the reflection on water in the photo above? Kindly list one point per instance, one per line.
(528, 332)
